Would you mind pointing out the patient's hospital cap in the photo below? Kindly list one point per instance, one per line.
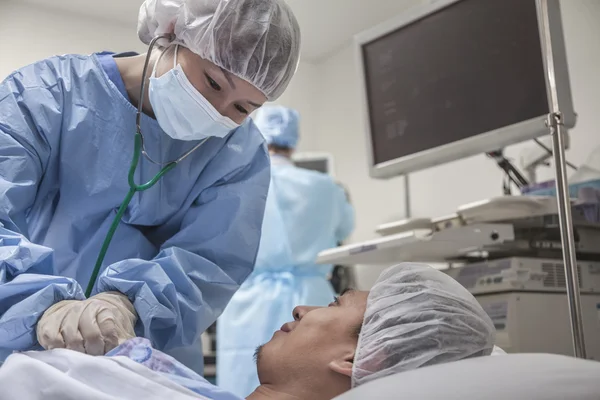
(256, 40)
(418, 316)
(279, 125)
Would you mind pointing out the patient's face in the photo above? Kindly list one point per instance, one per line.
(319, 344)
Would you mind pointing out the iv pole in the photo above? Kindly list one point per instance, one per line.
(557, 131)
(407, 209)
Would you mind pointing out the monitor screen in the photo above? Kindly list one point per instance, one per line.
(469, 68)
(320, 165)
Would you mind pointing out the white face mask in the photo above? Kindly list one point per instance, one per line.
(181, 110)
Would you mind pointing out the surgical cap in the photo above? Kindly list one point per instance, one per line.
(279, 125)
(256, 40)
(418, 316)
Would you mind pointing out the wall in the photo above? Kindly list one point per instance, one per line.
(300, 96)
(441, 190)
(32, 33)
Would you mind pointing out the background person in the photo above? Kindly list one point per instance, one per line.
(306, 213)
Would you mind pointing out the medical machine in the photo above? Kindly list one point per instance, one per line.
(507, 252)
(456, 78)
(316, 161)
(459, 78)
(527, 301)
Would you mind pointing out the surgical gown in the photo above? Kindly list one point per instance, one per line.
(182, 248)
(307, 212)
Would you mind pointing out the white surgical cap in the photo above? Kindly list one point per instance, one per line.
(418, 316)
(256, 40)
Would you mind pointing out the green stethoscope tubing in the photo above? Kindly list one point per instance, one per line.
(133, 189)
(138, 149)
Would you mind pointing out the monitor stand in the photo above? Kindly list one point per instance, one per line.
(405, 225)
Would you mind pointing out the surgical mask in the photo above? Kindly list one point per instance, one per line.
(181, 110)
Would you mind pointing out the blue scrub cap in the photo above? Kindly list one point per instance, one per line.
(279, 125)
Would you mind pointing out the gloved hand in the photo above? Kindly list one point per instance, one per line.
(93, 326)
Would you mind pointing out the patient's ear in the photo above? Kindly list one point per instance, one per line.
(343, 365)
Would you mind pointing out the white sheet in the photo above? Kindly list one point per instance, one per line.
(65, 375)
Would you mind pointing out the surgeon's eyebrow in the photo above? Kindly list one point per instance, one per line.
(227, 75)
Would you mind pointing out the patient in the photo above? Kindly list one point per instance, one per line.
(413, 317)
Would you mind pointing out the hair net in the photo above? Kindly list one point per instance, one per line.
(418, 316)
(279, 125)
(256, 40)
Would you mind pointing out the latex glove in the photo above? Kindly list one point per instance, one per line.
(93, 326)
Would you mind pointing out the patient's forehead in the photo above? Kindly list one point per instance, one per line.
(355, 298)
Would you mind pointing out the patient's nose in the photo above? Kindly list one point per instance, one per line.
(300, 311)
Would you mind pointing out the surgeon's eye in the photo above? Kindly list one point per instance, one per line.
(241, 109)
(213, 84)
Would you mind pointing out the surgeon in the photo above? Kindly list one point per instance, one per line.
(69, 129)
(306, 212)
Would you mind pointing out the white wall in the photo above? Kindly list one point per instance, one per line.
(441, 190)
(31, 33)
(300, 96)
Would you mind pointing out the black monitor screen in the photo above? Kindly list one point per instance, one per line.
(470, 68)
(321, 165)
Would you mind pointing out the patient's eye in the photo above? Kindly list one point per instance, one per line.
(335, 302)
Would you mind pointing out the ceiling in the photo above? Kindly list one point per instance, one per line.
(326, 25)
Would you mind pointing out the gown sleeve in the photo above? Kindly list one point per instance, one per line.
(30, 111)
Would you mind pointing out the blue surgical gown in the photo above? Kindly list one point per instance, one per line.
(307, 212)
(182, 248)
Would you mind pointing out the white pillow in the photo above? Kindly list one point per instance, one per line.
(514, 376)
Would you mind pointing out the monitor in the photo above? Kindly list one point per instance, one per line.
(321, 162)
(456, 78)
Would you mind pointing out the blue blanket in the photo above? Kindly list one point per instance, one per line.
(140, 351)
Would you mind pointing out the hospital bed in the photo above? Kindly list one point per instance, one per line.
(64, 374)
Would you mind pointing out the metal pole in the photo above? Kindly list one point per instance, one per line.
(407, 210)
(555, 124)
(566, 233)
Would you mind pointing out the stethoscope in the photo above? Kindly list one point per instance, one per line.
(138, 149)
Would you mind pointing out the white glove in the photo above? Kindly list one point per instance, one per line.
(93, 326)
